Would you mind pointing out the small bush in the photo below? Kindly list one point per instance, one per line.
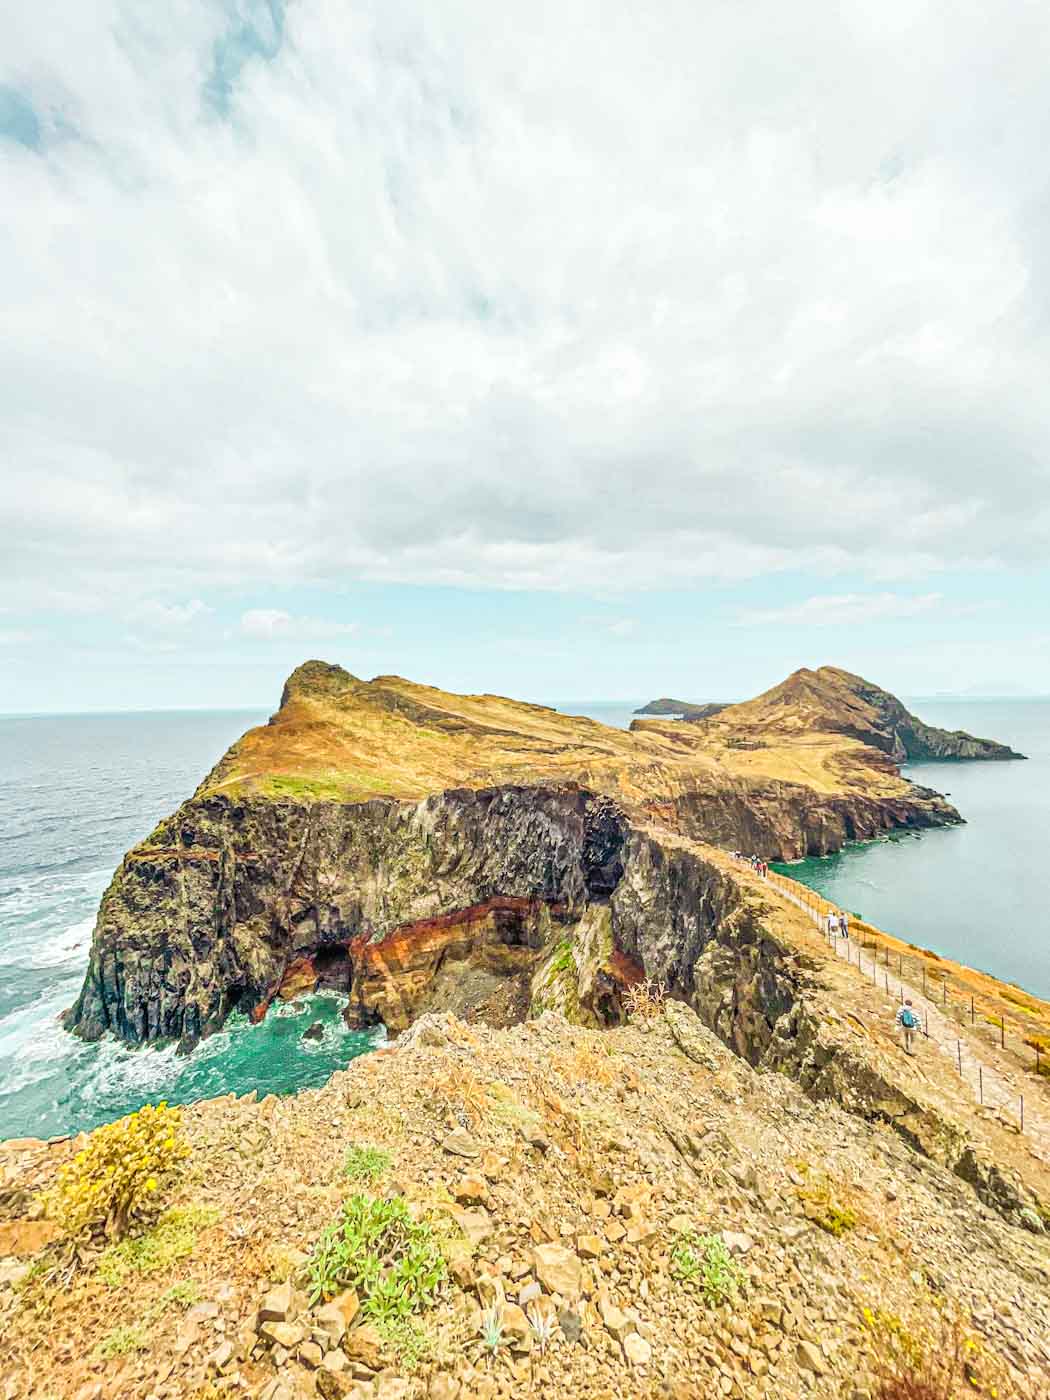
(644, 1001)
(365, 1163)
(822, 1205)
(393, 1262)
(172, 1238)
(704, 1262)
(113, 1182)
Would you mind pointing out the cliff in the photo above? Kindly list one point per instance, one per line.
(364, 826)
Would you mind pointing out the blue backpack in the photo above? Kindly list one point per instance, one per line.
(909, 1019)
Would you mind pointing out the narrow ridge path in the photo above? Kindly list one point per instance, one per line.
(991, 1086)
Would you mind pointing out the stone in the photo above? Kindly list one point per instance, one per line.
(516, 1327)
(809, 1358)
(282, 1334)
(314, 1032)
(443, 1387)
(310, 1354)
(278, 1305)
(616, 1321)
(364, 1344)
(558, 1269)
(529, 1293)
(390, 1387)
(335, 1361)
(461, 1144)
(471, 1188)
(475, 1224)
(22, 1238)
(737, 1242)
(691, 1035)
(641, 1231)
(334, 1386)
(188, 1335)
(571, 1324)
(221, 1357)
(590, 1246)
(637, 1350)
(770, 1310)
(331, 1321)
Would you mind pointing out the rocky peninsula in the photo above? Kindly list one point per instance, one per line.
(376, 834)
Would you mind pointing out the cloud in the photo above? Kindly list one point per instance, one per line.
(10, 637)
(450, 295)
(843, 610)
(273, 624)
(166, 616)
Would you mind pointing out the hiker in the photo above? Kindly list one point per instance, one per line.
(909, 1024)
(833, 924)
(844, 925)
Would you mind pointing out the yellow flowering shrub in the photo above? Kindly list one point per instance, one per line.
(114, 1179)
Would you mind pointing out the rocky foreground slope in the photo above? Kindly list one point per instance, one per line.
(634, 1212)
(381, 837)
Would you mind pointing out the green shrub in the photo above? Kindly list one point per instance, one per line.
(365, 1163)
(374, 1246)
(704, 1262)
(114, 1180)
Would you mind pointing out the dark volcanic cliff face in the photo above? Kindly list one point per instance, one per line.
(229, 899)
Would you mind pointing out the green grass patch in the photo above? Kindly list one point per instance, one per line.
(365, 1163)
(121, 1341)
(172, 1238)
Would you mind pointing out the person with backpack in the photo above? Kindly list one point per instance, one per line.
(909, 1024)
(843, 926)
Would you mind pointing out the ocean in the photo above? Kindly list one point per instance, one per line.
(77, 791)
(975, 893)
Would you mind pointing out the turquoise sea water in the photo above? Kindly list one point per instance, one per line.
(979, 892)
(77, 791)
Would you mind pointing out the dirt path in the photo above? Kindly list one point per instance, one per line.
(990, 1085)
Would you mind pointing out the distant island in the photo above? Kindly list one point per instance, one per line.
(666, 708)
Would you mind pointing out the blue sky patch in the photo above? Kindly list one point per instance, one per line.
(18, 119)
(255, 30)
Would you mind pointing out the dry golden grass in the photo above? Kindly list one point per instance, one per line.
(341, 739)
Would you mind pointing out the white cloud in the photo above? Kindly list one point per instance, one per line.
(843, 610)
(166, 616)
(273, 624)
(513, 296)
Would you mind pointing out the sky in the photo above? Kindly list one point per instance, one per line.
(588, 351)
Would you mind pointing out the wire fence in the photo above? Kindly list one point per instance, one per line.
(945, 1003)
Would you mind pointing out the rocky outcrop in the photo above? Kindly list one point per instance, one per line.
(230, 902)
(833, 701)
(681, 709)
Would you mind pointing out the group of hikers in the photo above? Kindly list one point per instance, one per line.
(836, 925)
(756, 863)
